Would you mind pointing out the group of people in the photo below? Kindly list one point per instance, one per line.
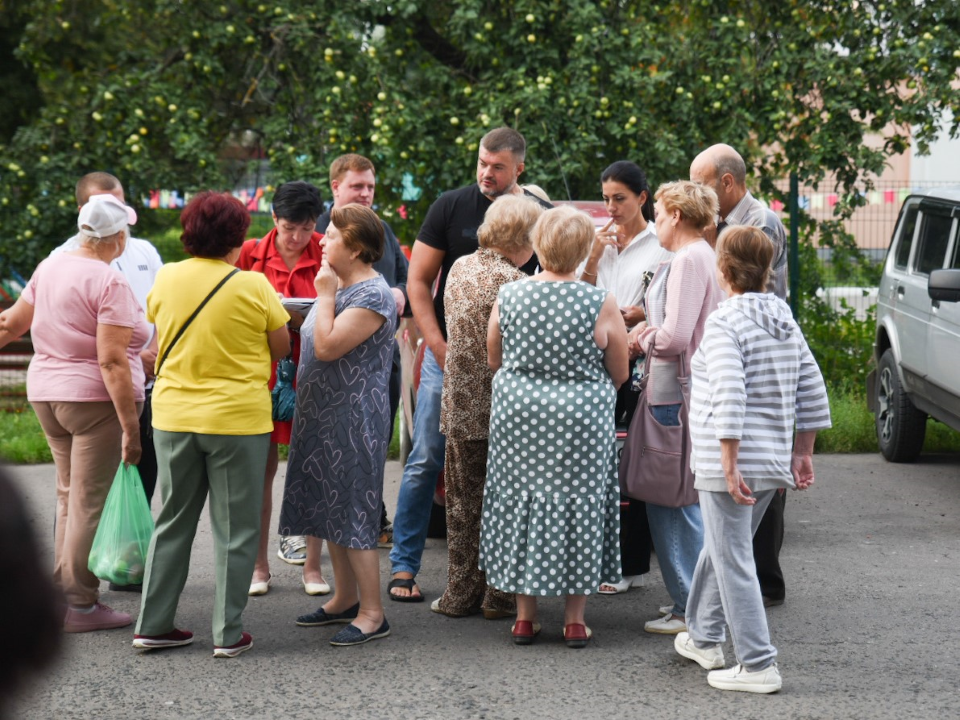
(527, 377)
(536, 334)
(106, 316)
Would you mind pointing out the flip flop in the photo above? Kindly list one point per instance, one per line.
(406, 584)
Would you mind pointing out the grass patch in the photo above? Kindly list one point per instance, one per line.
(854, 431)
(21, 438)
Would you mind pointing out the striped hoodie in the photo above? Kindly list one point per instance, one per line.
(752, 378)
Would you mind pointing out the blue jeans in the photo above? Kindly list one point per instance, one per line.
(677, 533)
(420, 474)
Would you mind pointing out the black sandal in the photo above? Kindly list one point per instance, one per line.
(406, 584)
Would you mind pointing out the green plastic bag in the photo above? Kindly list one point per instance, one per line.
(119, 552)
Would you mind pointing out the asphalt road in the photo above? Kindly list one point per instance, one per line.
(870, 629)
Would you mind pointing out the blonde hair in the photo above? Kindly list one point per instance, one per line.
(508, 222)
(698, 204)
(562, 239)
(744, 254)
(537, 190)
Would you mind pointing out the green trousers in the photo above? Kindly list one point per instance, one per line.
(191, 466)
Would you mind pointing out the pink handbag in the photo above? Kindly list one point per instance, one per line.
(655, 465)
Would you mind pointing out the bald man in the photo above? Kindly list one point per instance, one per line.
(722, 168)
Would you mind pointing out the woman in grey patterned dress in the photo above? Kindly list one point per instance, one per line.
(341, 423)
(551, 503)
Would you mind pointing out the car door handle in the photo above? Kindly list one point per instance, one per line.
(935, 304)
(899, 290)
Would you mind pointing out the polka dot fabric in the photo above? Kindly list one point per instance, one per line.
(551, 515)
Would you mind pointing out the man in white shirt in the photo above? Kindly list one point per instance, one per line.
(139, 264)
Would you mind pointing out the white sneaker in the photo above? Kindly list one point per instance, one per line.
(665, 609)
(709, 658)
(767, 680)
(667, 625)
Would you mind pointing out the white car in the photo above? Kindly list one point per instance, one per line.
(918, 326)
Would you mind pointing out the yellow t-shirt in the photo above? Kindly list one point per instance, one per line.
(215, 379)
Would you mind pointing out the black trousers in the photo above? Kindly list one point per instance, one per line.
(767, 542)
(148, 455)
(635, 542)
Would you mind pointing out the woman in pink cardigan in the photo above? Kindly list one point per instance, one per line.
(683, 292)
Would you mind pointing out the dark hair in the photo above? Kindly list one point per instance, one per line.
(30, 606)
(361, 230)
(101, 181)
(298, 202)
(630, 174)
(213, 224)
(744, 254)
(504, 138)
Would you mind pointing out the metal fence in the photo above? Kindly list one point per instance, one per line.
(14, 359)
(871, 227)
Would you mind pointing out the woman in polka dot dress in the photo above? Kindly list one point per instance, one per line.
(551, 503)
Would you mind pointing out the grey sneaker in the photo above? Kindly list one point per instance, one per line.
(737, 677)
(710, 658)
(666, 625)
(293, 550)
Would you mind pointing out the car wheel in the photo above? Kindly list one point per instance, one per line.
(900, 426)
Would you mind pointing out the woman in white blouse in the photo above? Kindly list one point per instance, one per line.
(623, 258)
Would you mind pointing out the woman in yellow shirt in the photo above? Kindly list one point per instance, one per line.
(211, 419)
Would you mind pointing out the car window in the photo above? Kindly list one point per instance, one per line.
(907, 228)
(955, 263)
(934, 239)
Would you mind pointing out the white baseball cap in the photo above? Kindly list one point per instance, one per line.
(104, 215)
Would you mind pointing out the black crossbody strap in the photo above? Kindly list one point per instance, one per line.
(191, 318)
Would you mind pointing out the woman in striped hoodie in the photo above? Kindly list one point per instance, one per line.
(754, 380)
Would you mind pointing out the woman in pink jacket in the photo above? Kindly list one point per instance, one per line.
(683, 292)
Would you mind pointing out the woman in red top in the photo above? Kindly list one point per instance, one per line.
(289, 255)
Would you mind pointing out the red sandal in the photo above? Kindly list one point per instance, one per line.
(524, 631)
(577, 635)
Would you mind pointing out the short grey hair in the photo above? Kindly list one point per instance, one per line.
(731, 162)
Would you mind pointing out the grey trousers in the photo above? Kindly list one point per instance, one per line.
(725, 590)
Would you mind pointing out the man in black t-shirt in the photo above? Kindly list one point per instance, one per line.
(449, 232)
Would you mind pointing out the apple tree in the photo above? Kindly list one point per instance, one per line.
(184, 93)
